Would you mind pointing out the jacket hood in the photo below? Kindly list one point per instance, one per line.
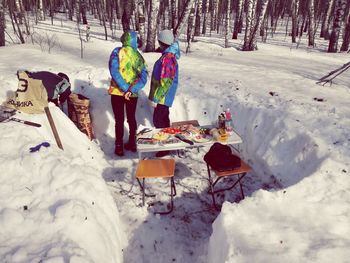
(129, 39)
(173, 48)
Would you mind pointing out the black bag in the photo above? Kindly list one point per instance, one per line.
(220, 158)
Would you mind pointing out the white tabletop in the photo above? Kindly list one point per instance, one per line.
(234, 138)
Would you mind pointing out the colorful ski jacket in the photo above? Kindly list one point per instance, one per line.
(127, 67)
(165, 76)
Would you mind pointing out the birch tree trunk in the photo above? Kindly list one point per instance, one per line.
(346, 34)
(18, 12)
(199, 13)
(172, 16)
(152, 25)
(77, 14)
(190, 27)
(205, 15)
(295, 14)
(238, 19)
(183, 18)
(311, 10)
(227, 22)
(251, 4)
(15, 24)
(102, 12)
(142, 22)
(253, 45)
(70, 7)
(2, 24)
(83, 11)
(126, 14)
(325, 22)
(213, 15)
(339, 11)
(41, 10)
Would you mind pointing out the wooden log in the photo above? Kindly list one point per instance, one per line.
(53, 127)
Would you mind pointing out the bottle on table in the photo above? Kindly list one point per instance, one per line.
(228, 120)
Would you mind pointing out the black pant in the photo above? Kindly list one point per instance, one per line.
(161, 116)
(118, 105)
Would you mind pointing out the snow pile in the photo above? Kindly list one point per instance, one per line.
(55, 205)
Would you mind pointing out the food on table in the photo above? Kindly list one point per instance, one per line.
(204, 130)
(161, 136)
(201, 138)
(171, 130)
(223, 135)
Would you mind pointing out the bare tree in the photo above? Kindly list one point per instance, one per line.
(227, 22)
(126, 7)
(205, 13)
(259, 21)
(77, 14)
(41, 10)
(183, 18)
(152, 25)
(325, 22)
(237, 28)
(213, 14)
(251, 5)
(172, 16)
(295, 10)
(346, 34)
(311, 12)
(15, 24)
(83, 11)
(199, 12)
(142, 22)
(190, 27)
(2, 24)
(339, 11)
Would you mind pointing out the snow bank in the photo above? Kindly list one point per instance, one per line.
(54, 204)
(286, 156)
(296, 236)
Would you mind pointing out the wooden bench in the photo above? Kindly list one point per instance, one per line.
(240, 172)
(158, 168)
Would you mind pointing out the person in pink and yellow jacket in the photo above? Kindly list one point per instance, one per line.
(164, 81)
(129, 75)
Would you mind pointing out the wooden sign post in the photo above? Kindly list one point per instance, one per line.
(53, 127)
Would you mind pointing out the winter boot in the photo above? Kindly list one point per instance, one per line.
(119, 150)
(131, 145)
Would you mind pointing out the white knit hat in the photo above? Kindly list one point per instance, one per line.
(166, 36)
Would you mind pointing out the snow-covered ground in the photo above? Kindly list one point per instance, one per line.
(83, 204)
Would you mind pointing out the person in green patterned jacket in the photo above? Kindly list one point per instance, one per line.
(129, 75)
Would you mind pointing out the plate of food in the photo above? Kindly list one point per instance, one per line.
(161, 136)
(200, 138)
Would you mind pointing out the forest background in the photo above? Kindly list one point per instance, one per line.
(254, 19)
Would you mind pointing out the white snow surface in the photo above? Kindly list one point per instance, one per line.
(82, 204)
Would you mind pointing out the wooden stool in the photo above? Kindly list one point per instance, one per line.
(239, 171)
(159, 168)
